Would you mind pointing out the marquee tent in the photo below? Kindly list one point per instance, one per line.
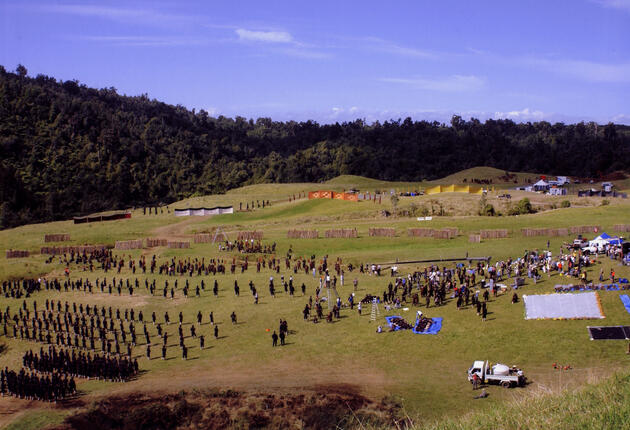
(217, 210)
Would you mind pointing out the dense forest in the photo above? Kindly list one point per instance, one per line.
(66, 149)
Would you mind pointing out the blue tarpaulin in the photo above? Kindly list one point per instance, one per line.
(434, 329)
(559, 288)
(626, 301)
(389, 321)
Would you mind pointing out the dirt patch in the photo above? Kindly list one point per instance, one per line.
(176, 231)
(283, 376)
(323, 407)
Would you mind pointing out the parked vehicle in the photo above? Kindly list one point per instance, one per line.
(498, 374)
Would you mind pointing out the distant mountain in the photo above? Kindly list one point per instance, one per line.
(66, 149)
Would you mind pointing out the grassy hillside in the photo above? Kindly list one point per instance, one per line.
(602, 405)
(497, 176)
(426, 373)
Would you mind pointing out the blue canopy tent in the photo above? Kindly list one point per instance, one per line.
(615, 241)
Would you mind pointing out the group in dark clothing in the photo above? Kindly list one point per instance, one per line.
(80, 364)
(29, 385)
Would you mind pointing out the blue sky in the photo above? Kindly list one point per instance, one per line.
(339, 60)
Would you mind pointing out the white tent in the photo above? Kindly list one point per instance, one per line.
(541, 186)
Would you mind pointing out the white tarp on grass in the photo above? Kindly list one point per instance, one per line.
(563, 306)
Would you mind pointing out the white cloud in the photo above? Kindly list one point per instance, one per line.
(521, 115)
(615, 4)
(264, 36)
(303, 52)
(145, 16)
(146, 40)
(281, 42)
(454, 83)
(581, 69)
(381, 45)
(621, 119)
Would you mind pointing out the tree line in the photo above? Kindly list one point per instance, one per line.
(67, 149)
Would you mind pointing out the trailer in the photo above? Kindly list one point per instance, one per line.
(498, 374)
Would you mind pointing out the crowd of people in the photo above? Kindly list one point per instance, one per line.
(250, 246)
(97, 341)
(31, 386)
(84, 365)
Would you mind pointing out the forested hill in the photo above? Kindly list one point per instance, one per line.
(66, 149)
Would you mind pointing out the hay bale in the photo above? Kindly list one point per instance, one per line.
(474, 238)
(382, 232)
(622, 228)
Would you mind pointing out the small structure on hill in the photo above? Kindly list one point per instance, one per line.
(541, 185)
(217, 210)
(99, 218)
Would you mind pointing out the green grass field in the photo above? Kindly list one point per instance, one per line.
(427, 373)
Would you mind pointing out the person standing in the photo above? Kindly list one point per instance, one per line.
(484, 311)
(282, 336)
(475, 381)
(216, 331)
(274, 339)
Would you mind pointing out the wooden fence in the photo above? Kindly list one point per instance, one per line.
(129, 244)
(420, 232)
(493, 234)
(13, 253)
(302, 234)
(383, 232)
(178, 245)
(580, 229)
(445, 233)
(553, 232)
(474, 238)
(342, 233)
(248, 235)
(77, 249)
(63, 237)
(622, 228)
(202, 238)
(153, 242)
